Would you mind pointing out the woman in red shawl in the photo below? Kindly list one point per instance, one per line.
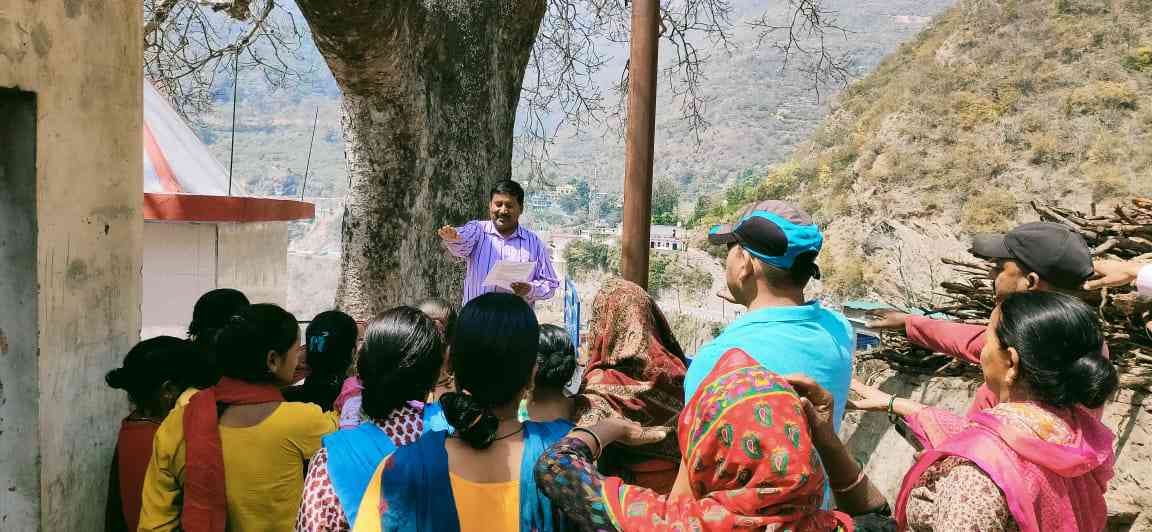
(635, 372)
(155, 372)
(750, 464)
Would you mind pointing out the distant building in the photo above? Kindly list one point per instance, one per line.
(540, 201)
(667, 237)
(198, 236)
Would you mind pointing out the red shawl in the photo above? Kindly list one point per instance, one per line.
(635, 370)
(205, 504)
(750, 459)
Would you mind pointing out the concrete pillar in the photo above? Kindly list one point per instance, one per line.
(70, 232)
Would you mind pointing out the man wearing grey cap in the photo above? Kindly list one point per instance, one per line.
(1033, 256)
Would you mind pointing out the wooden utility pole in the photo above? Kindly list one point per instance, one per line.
(642, 64)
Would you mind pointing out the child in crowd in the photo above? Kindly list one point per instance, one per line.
(331, 340)
(555, 366)
(154, 374)
(444, 315)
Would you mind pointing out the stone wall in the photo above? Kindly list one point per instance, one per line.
(888, 457)
(81, 309)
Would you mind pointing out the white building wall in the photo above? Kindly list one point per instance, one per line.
(179, 266)
(253, 258)
(184, 260)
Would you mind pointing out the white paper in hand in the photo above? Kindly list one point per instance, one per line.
(504, 273)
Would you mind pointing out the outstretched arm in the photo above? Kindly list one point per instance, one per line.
(460, 241)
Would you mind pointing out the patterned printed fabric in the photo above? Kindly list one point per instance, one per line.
(636, 370)
(1052, 465)
(321, 508)
(954, 494)
(750, 458)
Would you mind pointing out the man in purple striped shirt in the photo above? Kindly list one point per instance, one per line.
(484, 243)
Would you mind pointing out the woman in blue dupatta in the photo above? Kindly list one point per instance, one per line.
(479, 478)
(398, 364)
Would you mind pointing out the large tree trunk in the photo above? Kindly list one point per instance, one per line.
(430, 92)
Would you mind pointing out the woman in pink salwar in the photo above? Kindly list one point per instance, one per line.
(1038, 461)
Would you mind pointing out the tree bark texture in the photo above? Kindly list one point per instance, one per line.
(430, 92)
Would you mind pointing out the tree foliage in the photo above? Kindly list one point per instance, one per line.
(666, 271)
(665, 198)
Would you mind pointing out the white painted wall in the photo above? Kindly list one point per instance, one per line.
(254, 259)
(179, 266)
(183, 260)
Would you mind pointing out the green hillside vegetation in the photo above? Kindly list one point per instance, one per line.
(996, 103)
(665, 271)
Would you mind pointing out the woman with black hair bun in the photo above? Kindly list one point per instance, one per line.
(481, 477)
(1037, 461)
(235, 456)
(155, 372)
(330, 340)
(398, 364)
(555, 366)
(210, 314)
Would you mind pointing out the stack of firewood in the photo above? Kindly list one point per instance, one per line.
(1125, 234)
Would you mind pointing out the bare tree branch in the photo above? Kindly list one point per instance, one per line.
(187, 43)
(561, 88)
(806, 33)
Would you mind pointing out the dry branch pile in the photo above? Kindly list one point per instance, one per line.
(1125, 234)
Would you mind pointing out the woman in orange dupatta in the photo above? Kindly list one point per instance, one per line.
(635, 372)
(750, 462)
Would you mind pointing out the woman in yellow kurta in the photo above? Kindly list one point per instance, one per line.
(241, 469)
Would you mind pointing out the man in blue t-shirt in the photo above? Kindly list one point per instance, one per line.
(772, 250)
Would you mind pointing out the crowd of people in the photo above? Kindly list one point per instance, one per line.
(428, 418)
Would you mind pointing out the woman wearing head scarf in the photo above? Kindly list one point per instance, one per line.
(635, 372)
(749, 457)
(1039, 460)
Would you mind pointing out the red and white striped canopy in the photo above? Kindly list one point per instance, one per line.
(175, 161)
(184, 182)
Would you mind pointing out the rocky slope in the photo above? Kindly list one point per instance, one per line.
(996, 103)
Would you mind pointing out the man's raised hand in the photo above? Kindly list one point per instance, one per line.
(448, 234)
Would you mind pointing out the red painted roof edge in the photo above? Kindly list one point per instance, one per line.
(201, 208)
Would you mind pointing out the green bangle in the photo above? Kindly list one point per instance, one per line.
(892, 413)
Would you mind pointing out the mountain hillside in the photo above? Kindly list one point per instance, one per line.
(996, 103)
(758, 108)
